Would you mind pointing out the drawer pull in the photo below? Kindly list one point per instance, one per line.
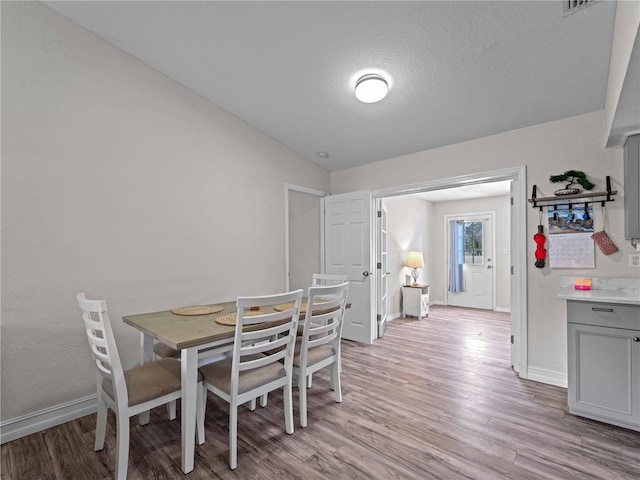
(598, 309)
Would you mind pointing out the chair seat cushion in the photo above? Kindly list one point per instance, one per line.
(165, 351)
(218, 374)
(149, 380)
(314, 355)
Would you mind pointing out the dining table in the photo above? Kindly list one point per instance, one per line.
(189, 334)
(189, 331)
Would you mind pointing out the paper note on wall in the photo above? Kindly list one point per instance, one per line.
(571, 250)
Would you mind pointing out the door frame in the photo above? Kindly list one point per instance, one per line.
(290, 187)
(447, 233)
(518, 232)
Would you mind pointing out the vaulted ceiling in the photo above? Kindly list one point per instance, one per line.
(456, 70)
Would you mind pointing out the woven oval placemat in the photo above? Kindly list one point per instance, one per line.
(230, 318)
(198, 310)
(286, 306)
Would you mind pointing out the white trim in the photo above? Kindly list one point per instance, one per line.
(502, 310)
(393, 316)
(550, 377)
(19, 427)
(518, 240)
(310, 191)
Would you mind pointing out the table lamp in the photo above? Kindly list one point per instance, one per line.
(415, 261)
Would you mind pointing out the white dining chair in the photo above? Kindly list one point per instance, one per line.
(127, 392)
(319, 346)
(263, 338)
(323, 279)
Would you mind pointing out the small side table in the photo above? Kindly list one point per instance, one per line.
(415, 300)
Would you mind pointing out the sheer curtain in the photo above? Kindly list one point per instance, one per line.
(456, 255)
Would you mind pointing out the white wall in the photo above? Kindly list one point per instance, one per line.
(408, 230)
(550, 148)
(118, 182)
(502, 265)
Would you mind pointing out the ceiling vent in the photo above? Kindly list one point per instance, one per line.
(572, 6)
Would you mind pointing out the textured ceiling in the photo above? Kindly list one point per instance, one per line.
(457, 70)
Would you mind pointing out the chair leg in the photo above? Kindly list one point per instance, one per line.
(288, 407)
(252, 404)
(335, 381)
(309, 380)
(143, 418)
(201, 408)
(171, 410)
(263, 400)
(233, 435)
(101, 424)
(122, 447)
(302, 399)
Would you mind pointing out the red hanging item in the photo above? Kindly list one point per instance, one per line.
(541, 252)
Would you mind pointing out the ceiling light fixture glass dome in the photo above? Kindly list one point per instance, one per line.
(371, 88)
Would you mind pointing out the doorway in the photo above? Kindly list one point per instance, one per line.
(304, 235)
(517, 243)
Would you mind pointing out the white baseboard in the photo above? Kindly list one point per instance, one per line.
(550, 377)
(394, 316)
(19, 427)
(502, 310)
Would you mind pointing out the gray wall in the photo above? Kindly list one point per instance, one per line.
(118, 182)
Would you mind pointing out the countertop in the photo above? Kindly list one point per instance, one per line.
(628, 297)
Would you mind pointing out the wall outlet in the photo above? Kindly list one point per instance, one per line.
(634, 260)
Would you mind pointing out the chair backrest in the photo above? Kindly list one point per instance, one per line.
(103, 346)
(322, 279)
(323, 319)
(266, 327)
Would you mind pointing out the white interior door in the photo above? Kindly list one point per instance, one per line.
(381, 268)
(478, 269)
(348, 252)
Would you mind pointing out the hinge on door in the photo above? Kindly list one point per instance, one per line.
(511, 200)
(511, 339)
(379, 213)
(379, 266)
(379, 317)
(511, 269)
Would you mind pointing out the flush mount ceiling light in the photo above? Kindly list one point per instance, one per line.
(371, 88)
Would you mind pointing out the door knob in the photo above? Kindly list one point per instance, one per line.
(365, 273)
(636, 339)
(489, 266)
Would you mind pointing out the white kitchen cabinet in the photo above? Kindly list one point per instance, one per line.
(415, 300)
(604, 362)
(632, 187)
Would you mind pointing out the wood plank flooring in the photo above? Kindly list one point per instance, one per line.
(433, 399)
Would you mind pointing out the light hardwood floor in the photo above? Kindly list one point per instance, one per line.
(433, 399)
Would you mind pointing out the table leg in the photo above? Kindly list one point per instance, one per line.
(189, 365)
(146, 348)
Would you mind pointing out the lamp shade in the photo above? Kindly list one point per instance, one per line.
(415, 260)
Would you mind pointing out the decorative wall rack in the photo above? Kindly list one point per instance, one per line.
(577, 199)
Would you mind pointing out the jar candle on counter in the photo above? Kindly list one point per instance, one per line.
(582, 284)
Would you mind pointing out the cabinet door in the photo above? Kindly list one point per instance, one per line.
(632, 187)
(604, 374)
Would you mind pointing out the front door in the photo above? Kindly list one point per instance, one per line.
(478, 267)
(348, 252)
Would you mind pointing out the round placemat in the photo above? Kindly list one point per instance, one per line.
(198, 310)
(286, 306)
(230, 318)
